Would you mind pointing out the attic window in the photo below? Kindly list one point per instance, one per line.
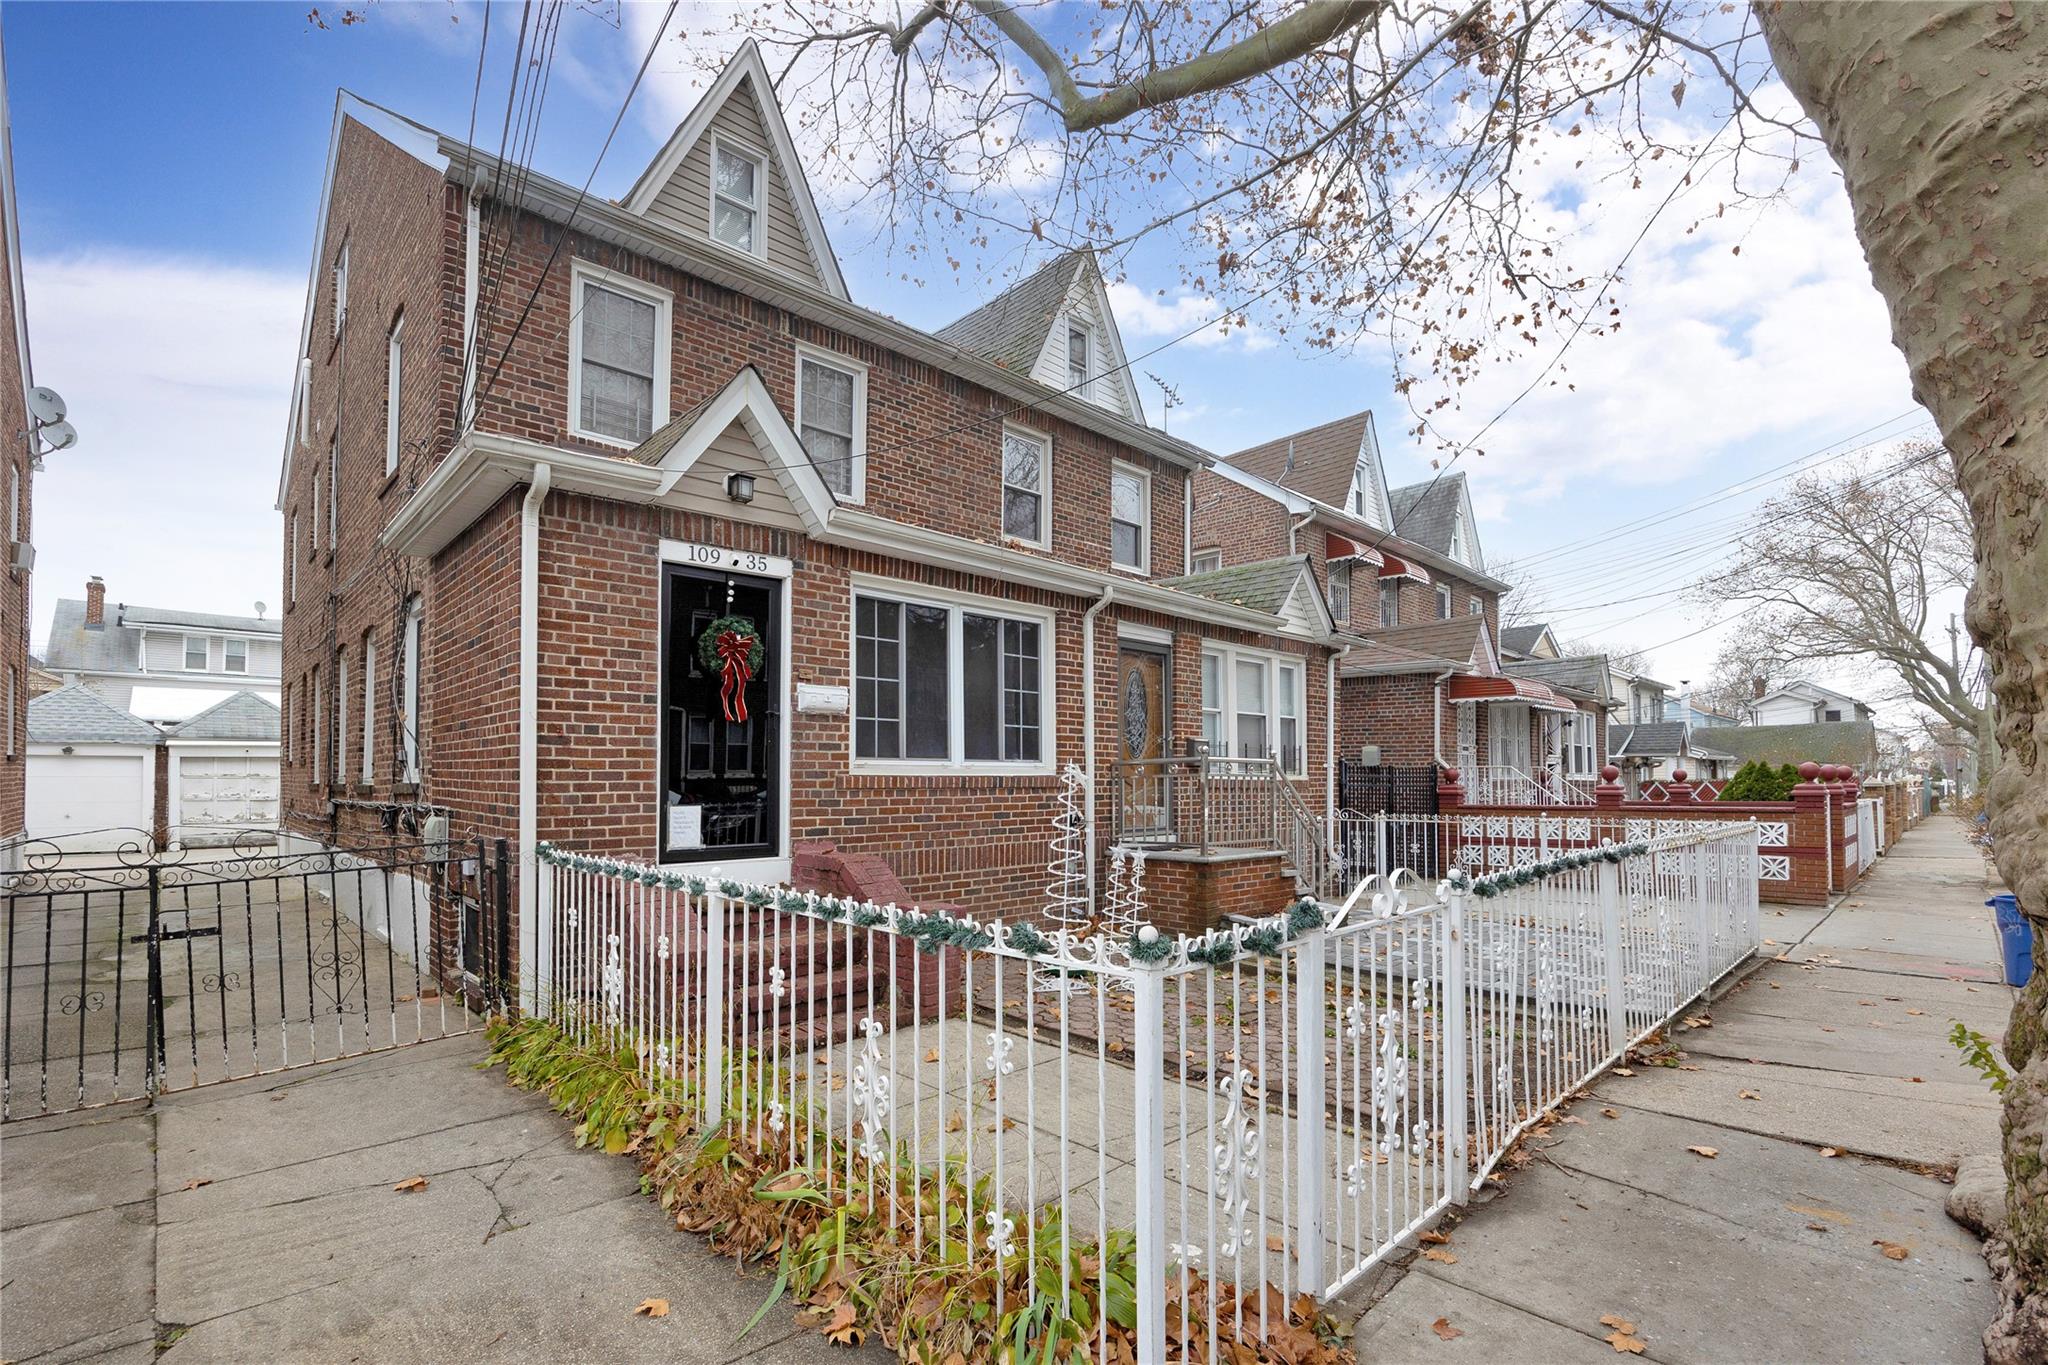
(735, 199)
(1461, 542)
(1363, 503)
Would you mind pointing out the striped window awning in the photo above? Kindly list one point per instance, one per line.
(1473, 688)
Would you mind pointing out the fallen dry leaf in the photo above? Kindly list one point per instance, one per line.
(955, 1123)
(1747, 1095)
(931, 1054)
(411, 1185)
(1442, 1327)
(1818, 1227)
(1708, 1152)
(652, 1308)
(1624, 1344)
(1916, 1011)
(1916, 1080)
(1610, 1113)
(1276, 1243)
(1623, 1071)
(1830, 1151)
(1442, 1257)
(1893, 1251)
(1435, 1239)
(195, 1184)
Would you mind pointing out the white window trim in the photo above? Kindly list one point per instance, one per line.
(185, 658)
(580, 274)
(1195, 563)
(412, 643)
(291, 576)
(314, 716)
(1443, 602)
(819, 356)
(1086, 388)
(1232, 655)
(1340, 612)
(1044, 439)
(916, 594)
(1143, 567)
(340, 289)
(394, 367)
(759, 246)
(225, 657)
(341, 719)
(369, 737)
(1474, 607)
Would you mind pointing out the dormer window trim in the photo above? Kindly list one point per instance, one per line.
(757, 247)
(1081, 375)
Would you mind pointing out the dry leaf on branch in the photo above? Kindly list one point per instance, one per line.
(1708, 1152)
(1442, 1327)
(411, 1185)
(652, 1308)
(1893, 1251)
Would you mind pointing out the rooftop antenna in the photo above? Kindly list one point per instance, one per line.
(1169, 398)
(1287, 468)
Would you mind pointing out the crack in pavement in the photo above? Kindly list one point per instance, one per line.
(1514, 1307)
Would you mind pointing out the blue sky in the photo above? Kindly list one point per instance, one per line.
(168, 161)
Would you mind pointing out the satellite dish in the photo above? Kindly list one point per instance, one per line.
(59, 435)
(259, 611)
(46, 406)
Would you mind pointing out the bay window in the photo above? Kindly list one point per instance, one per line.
(947, 683)
(618, 356)
(1254, 706)
(1027, 477)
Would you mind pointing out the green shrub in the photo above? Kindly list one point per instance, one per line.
(1759, 781)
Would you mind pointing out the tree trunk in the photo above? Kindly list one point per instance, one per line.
(1938, 118)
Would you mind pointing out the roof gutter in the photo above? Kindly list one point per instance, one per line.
(1088, 724)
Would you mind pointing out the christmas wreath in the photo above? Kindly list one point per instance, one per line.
(731, 647)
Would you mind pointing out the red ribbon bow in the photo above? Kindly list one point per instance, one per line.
(735, 657)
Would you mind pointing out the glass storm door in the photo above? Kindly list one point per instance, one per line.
(721, 759)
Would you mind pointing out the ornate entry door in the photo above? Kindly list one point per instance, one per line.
(1144, 722)
(721, 757)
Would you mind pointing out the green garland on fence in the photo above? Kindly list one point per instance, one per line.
(1500, 883)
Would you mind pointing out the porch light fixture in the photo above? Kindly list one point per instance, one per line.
(739, 487)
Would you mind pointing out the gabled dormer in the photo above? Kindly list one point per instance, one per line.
(1337, 464)
(730, 175)
(1437, 515)
(1056, 326)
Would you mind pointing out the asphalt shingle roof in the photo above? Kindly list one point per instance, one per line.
(1261, 586)
(1587, 674)
(1317, 463)
(1521, 639)
(79, 715)
(197, 620)
(1426, 512)
(243, 716)
(117, 644)
(1843, 741)
(1010, 328)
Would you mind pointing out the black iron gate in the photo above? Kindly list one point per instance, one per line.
(1388, 818)
(137, 972)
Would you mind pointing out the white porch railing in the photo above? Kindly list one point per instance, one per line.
(1284, 1104)
(1493, 784)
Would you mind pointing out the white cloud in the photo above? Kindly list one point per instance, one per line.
(178, 375)
(1157, 317)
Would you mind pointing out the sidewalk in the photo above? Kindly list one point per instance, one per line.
(256, 1221)
(1764, 1251)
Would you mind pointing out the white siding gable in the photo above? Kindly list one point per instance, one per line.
(1109, 384)
(1377, 511)
(739, 114)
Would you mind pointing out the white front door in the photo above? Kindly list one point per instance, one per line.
(1508, 736)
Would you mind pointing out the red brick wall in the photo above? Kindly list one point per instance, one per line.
(1194, 896)
(14, 584)
(1245, 526)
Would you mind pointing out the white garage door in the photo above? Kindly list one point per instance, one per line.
(70, 795)
(222, 794)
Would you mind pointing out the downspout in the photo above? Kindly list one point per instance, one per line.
(1330, 740)
(471, 216)
(1187, 526)
(1088, 725)
(529, 735)
(1294, 529)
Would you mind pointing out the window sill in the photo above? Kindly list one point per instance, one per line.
(614, 442)
(980, 771)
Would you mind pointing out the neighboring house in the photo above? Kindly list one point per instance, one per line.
(1803, 703)
(40, 678)
(1684, 708)
(1530, 642)
(223, 774)
(1656, 751)
(1852, 742)
(92, 771)
(516, 536)
(1640, 699)
(22, 442)
(158, 663)
(1402, 567)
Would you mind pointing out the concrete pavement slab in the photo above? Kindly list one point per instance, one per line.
(1399, 1329)
(1932, 1122)
(67, 1166)
(76, 1285)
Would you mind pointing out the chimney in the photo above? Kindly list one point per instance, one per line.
(95, 603)
(1756, 689)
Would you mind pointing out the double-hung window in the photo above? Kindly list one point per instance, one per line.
(1390, 603)
(1581, 732)
(394, 348)
(1473, 606)
(369, 741)
(1027, 477)
(409, 699)
(1254, 706)
(1443, 603)
(618, 357)
(291, 573)
(831, 420)
(234, 655)
(1340, 593)
(1130, 517)
(1206, 561)
(1080, 360)
(340, 288)
(947, 683)
(195, 654)
(341, 719)
(735, 198)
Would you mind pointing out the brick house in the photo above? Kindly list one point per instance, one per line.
(32, 420)
(1403, 568)
(544, 449)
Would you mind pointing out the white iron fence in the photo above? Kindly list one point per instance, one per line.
(1283, 1104)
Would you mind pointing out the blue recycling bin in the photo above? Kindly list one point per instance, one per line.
(2015, 937)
